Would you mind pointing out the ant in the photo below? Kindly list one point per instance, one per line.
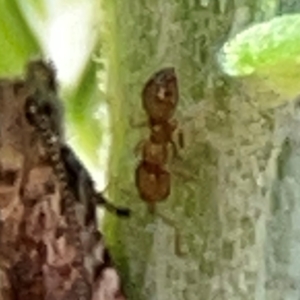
(159, 98)
(152, 177)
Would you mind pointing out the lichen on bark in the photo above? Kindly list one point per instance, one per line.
(221, 185)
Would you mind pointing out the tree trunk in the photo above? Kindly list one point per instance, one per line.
(49, 249)
(234, 206)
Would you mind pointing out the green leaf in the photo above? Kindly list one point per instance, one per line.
(17, 43)
(81, 107)
(270, 51)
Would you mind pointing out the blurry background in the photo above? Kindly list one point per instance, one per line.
(239, 213)
(73, 33)
(67, 33)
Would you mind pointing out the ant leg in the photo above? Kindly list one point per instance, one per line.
(182, 173)
(180, 138)
(152, 208)
(101, 200)
(177, 241)
(119, 211)
(176, 155)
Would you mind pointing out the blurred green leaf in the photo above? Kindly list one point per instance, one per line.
(37, 6)
(17, 43)
(270, 51)
(81, 107)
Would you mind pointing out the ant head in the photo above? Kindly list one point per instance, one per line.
(160, 95)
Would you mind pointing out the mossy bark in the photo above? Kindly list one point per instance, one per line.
(222, 185)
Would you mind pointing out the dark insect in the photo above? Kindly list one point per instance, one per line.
(45, 103)
(83, 187)
(160, 97)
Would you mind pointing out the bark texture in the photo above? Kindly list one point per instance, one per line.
(46, 249)
(236, 218)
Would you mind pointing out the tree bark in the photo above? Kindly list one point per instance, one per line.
(227, 200)
(46, 249)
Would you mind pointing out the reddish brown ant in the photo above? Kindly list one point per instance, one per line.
(160, 97)
(153, 180)
(153, 183)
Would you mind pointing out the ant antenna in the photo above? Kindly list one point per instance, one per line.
(119, 211)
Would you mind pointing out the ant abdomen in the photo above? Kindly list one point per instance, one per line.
(153, 182)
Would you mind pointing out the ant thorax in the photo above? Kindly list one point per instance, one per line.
(161, 132)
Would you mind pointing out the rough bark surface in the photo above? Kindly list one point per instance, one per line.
(236, 221)
(39, 247)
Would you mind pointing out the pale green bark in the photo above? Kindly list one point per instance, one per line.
(224, 205)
